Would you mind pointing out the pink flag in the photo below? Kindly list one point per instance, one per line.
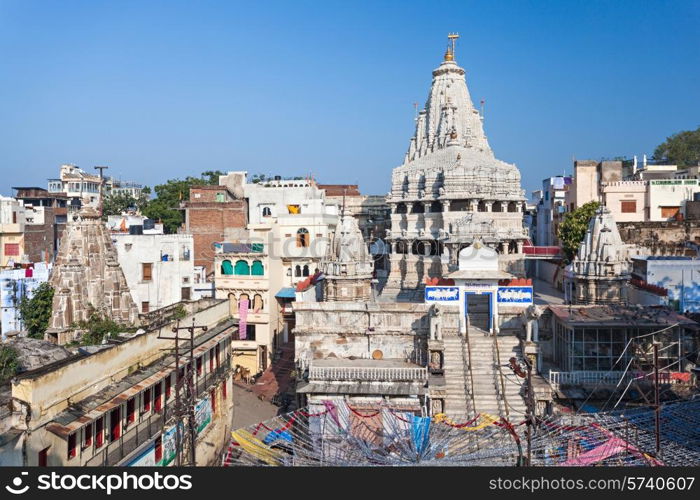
(242, 319)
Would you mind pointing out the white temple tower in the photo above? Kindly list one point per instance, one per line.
(450, 189)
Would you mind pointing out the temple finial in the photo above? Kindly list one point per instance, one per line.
(450, 53)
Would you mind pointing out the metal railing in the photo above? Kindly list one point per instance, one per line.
(548, 251)
(366, 373)
(468, 369)
(499, 379)
(580, 377)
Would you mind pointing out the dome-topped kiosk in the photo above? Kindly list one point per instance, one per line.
(451, 190)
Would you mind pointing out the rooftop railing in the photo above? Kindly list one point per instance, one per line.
(342, 373)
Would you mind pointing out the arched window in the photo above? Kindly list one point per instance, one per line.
(226, 267)
(401, 246)
(244, 296)
(297, 271)
(257, 268)
(303, 237)
(418, 208)
(512, 207)
(401, 208)
(232, 304)
(305, 272)
(257, 303)
(266, 212)
(436, 207)
(497, 206)
(242, 268)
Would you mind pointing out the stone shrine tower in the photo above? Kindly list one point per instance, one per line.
(348, 266)
(451, 190)
(86, 277)
(601, 271)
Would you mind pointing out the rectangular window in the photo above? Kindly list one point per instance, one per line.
(185, 293)
(145, 307)
(87, 435)
(199, 366)
(220, 197)
(168, 386)
(71, 446)
(159, 449)
(146, 271)
(217, 356)
(212, 395)
(628, 206)
(115, 423)
(669, 212)
(211, 360)
(99, 432)
(130, 410)
(14, 217)
(147, 400)
(157, 403)
(223, 389)
(12, 249)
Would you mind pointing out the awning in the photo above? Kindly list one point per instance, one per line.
(286, 293)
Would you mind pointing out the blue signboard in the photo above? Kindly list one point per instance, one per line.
(442, 294)
(515, 295)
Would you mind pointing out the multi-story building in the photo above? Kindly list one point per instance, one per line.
(117, 404)
(159, 268)
(79, 186)
(212, 213)
(46, 217)
(12, 226)
(551, 207)
(16, 285)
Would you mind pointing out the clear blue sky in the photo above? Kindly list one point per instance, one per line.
(163, 89)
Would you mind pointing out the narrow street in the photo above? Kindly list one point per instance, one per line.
(248, 409)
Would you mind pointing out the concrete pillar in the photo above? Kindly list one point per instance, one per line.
(473, 205)
(528, 330)
(535, 330)
(426, 206)
(504, 247)
(520, 246)
(489, 206)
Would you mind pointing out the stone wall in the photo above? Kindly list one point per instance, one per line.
(661, 238)
(349, 329)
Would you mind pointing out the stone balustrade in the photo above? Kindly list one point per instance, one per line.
(379, 374)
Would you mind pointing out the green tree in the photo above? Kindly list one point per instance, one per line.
(98, 328)
(9, 363)
(165, 207)
(573, 229)
(682, 149)
(116, 204)
(36, 312)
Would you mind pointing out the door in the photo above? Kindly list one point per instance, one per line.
(115, 424)
(479, 310)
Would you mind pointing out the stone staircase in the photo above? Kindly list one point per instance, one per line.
(487, 397)
(458, 405)
(487, 379)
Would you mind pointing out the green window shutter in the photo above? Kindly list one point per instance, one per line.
(226, 267)
(257, 269)
(242, 268)
(256, 247)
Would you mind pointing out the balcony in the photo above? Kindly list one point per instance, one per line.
(544, 252)
(366, 370)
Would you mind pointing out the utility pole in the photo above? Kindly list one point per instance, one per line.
(184, 405)
(530, 407)
(100, 168)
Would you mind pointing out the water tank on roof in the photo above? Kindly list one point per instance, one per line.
(136, 229)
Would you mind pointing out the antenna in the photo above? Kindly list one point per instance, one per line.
(415, 109)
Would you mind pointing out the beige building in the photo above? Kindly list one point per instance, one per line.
(115, 404)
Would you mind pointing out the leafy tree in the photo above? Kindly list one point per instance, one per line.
(682, 149)
(573, 229)
(9, 363)
(258, 178)
(165, 207)
(36, 312)
(98, 328)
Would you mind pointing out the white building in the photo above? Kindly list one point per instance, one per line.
(12, 223)
(159, 268)
(451, 189)
(15, 285)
